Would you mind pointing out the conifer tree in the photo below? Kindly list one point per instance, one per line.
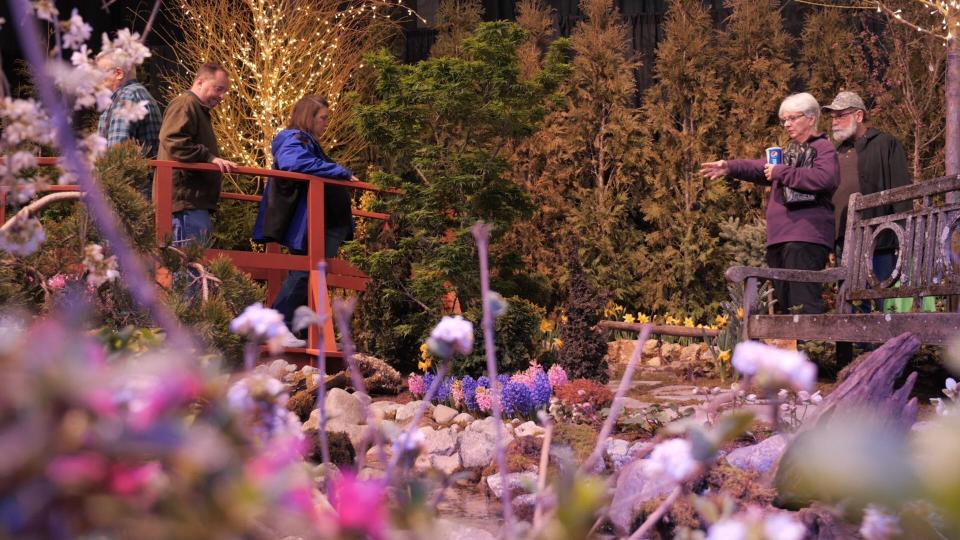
(832, 56)
(536, 19)
(684, 118)
(581, 167)
(756, 71)
(456, 20)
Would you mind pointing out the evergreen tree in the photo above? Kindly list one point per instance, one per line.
(581, 167)
(685, 122)
(583, 353)
(832, 56)
(456, 20)
(442, 130)
(536, 19)
(756, 70)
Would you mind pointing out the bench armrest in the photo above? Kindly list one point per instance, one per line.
(739, 274)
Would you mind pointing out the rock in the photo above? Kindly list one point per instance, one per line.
(517, 483)
(616, 452)
(369, 473)
(378, 377)
(442, 442)
(356, 434)
(443, 415)
(278, 368)
(528, 429)
(446, 464)
(651, 348)
(690, 354)
(759, 457)
(524, 506)
(444, 529)
(670, 352)
(620, 351)
(405, 413)
(630, 403)
(476, 450)
(343, 407)
(463, 419)
(680, 393)
(654, 361)
(384, 410)
(364, 399)
(638, 483)
(487, 426)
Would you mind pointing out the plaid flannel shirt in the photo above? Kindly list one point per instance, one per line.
(145, 131)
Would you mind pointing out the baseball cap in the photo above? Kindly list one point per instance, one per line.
(846, 100)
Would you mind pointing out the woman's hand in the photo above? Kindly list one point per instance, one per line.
(714, 169)
(354, 178)
(768, 171)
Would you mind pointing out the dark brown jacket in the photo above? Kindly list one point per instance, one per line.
(187, 135)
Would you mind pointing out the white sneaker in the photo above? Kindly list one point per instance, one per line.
(291, 341)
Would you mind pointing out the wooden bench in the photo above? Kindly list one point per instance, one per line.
(926, 266)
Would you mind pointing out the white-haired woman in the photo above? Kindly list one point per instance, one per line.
(800, 217)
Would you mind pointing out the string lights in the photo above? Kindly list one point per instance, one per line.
(944, 15)
(277, 51)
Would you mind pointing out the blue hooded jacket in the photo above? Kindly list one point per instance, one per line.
(282, 216)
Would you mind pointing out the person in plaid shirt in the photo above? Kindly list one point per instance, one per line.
(129, 99)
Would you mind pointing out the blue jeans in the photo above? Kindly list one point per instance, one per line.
(293, 292)
(192, 225)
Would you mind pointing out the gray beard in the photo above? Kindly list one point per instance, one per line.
(841, 135)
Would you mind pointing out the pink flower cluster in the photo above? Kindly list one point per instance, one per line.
(484, 399)
(415, 385)
(557, 376)
(456, 393)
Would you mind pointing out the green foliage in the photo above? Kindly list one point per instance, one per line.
(832, 55)
(456, 20)
(515, 339)
(441, 129)
(744, 240)
(683, 115)
(581, 167)
(584, 350)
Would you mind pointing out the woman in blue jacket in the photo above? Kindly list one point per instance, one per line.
(283, 210)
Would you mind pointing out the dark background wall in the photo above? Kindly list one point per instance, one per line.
(643, 16)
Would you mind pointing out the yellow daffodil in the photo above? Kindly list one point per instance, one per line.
(740, 313)
(688, 322)
(628, 318)
(558, 343)
(724, 356)
(671, 320)
(642, 318)
(424, 351)
(721, 320)
(563, 319)
(546, 326)
(424, 365)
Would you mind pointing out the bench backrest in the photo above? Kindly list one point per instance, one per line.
(926, 264)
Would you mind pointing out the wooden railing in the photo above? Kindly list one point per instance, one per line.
(272, 265)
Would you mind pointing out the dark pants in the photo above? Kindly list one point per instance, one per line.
(293, 292)
(798, 256)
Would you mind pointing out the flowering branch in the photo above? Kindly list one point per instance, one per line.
(322, 369)
(141, 287)
(40, 204)
(481, 233)
(617, 405)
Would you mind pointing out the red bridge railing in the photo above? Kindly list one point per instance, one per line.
(270, 266)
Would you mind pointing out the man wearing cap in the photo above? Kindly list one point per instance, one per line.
(870, 161)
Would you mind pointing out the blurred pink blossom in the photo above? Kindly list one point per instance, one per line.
(360, 505)
(128, 481)
(557, 376)
(57, 282)
(415, 385)
(72, 470)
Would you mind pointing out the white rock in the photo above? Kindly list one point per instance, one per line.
(759, 457)
(443, 415)
(445, 529)
(446, 464)
(476, 450)
(384, 410)
(638, 483)
(442, 442)
(529, 429)
(343, 407)
(405, 413)
(523, 482)
(463, 419)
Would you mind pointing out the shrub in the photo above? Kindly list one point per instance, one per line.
(584, 349)
(580, 400)
(515, 338)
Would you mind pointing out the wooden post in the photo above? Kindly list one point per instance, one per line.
(163, 200)
(316, 243)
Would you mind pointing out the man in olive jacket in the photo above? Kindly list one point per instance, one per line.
(187, 135)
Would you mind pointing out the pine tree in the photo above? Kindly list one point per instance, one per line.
(584, 345)
(832, 56)
(456, 20)
(756, 69)
(581, 167)
(536, 19)
(684, 119)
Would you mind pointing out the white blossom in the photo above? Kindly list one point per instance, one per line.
(951, 390)
(80, 56)
(258, 322)
(132, 111)
(878, 525)
(24, 121)
(22, 160)
(100, 269)
(781, 526)
(451, 335)
(2, 22)
(674, 459)
(83, 83)
(76, 31)
(773, 368)
(727, 529)
(46, 10)
(23, 237)
(261, 399)
(126, 50)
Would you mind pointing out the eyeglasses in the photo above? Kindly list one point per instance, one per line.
(839, 115)
(791, 119)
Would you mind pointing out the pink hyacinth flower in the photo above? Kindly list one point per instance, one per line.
(360, 505)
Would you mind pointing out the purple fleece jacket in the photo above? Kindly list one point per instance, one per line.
(814, 224)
